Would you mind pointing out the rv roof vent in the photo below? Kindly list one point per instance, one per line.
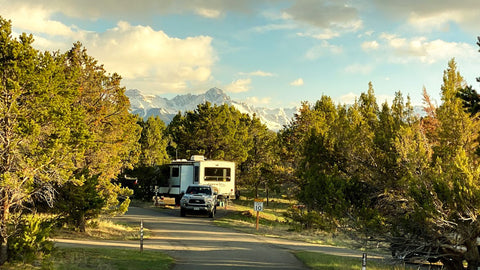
(197, 158)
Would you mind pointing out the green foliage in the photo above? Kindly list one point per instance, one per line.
(31, 239)
(218, 132)
(379, 173)
(39, 128)
(64, 121)
(153, 142)
(80, 203)
(259, 169)
(300, 219)
(470, 99)
(109, 140)
(142, 180)
(150, 170)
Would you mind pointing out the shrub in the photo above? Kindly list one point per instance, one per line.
(30, 240)
(300, 219)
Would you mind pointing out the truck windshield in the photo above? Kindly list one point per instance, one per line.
(199, 190)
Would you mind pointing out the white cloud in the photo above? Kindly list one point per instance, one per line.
(140, 9)
(363, 69)
(274, 27)
(258, 73)
(366, 34)
(349, 98)
(144, 57)
(35, 19)
(384, 98)
(404, 50)
(323, 49)
(428, 16)
(297, 82)
(320, 35)
(238, 86)
(208, 13)
(324, 14)
(370, 45)
(140, 53)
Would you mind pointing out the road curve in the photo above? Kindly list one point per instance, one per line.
(196, 243)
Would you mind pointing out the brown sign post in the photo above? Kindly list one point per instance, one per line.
(258, 206)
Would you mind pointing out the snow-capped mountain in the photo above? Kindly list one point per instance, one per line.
(146, 106)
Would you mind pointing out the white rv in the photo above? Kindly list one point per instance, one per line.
(199, 171)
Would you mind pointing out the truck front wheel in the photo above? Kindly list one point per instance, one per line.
(182, 212)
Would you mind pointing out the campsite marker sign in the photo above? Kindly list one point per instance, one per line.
(258, 206)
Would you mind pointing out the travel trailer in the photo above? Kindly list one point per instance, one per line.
(200, 171)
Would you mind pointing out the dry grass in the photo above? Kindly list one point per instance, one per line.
(102, 229)
(272, 223)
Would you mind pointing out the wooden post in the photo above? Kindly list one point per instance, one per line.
(258, 206)
(141, 235)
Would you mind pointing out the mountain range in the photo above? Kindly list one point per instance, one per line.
(153, 105)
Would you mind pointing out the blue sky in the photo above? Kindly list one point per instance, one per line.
(271, 53)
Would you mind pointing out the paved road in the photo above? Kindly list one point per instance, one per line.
(196, 243)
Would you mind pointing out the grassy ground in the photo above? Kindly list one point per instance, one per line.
(98, 258)
(319, 261)
(102, 229)
(272, 222)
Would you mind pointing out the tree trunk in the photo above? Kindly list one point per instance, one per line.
(3, 250)
(266, 191)
(82, 223)
(472, 255)
(453, 264)
(3, 229)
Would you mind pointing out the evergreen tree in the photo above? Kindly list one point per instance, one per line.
(442, 185)
(260, 166)
(150, 170)
(291, 140)
(41, 132)
(153, 142)
(110, 140)
(218, 132)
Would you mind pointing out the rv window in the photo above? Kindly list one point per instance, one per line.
(175, 171)
(217, 174)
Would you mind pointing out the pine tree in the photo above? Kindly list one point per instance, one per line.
(218, 132)
(442, 182)
(110, 137)
(40, 129)
(153, 142)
